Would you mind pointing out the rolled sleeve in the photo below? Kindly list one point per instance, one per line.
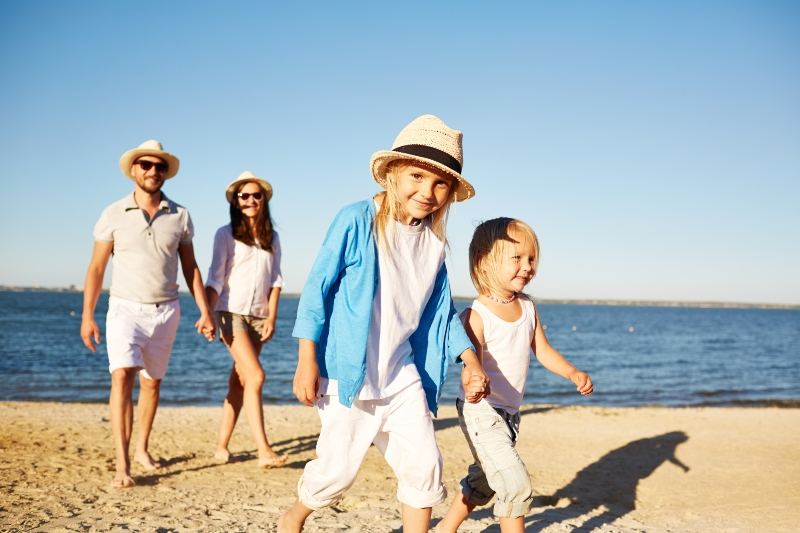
(218, 271)
(275, 271)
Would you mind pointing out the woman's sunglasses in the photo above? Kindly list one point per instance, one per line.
(147, 165)
(246, 195)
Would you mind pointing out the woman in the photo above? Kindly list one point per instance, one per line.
(243, 287)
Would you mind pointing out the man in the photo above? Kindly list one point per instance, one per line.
(146, 233)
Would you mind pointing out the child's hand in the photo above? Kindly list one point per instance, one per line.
(306, 378)
(582, 381)
(475, 382)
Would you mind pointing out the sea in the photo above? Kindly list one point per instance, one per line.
(636, 355)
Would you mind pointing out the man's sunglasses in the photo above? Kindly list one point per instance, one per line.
(147, 165)
(246, 195)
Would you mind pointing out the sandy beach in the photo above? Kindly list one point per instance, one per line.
(604, 469)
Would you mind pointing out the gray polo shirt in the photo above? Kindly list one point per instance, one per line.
(145, 254)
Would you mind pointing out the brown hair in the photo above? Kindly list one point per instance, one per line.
(262, 228)
(486, 250)
(391, 209)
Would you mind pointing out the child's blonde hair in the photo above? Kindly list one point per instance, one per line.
(487, 247)
(392, 209)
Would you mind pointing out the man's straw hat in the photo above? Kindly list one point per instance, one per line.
(153, 148)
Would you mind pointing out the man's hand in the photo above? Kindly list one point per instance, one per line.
(205, 326)
(90, 332)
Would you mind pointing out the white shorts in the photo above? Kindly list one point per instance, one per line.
(401, 427)
(141, 335)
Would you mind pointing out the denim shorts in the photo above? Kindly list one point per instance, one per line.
(498, 469)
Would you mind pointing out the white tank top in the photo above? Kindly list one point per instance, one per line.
(507, 354)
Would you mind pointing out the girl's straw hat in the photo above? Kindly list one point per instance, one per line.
(245, 177)
(153, 148)
(428, 140)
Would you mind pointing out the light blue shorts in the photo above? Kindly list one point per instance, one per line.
(498, 468)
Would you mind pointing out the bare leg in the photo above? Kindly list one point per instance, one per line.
(415, 520)
(121, 411)
(458, 512)
(512, 525)
(292, 520)
(250, 373)
(230, 414)
(149, 390)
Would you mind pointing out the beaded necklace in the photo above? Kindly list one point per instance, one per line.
(508, 300)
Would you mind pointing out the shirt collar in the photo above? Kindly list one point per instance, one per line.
(131, 203)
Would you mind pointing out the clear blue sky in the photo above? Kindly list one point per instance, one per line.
(653, 146)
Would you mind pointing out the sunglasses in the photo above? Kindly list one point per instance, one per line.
(147, 165)
(246, 195)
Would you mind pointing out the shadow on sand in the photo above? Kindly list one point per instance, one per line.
(609, 484)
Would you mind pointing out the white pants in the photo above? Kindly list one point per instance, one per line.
(141, 335)
(400, 426)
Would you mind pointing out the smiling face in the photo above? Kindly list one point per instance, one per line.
(148, 172)
(516, 264)
(250, 199)
(421, 191)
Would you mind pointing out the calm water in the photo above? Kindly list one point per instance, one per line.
(673, 356)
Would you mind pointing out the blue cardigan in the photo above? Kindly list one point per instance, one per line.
(336, 306)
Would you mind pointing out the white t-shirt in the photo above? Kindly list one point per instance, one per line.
(407, 273)
(506, 354)
(243, 275)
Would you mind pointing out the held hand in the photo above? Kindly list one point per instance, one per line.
(475, 382)
(206, 327)
(267, 331)
(89, 332)
(583, 383)
(306, 382)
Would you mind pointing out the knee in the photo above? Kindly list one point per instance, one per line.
(123, 378)
(254, 378)
(150, 385)
(515, 495)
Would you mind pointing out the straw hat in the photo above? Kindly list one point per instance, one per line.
(428, 140)
(153, 148)
(245, 177)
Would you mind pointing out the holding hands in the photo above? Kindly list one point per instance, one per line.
(476, 383)
(206, 327)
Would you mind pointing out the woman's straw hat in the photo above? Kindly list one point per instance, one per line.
(247, 176)
(153, 148)
(427, 140)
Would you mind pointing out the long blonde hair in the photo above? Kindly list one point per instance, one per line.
(487, 248)
(391, 208)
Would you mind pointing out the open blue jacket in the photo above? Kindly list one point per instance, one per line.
(336, 307)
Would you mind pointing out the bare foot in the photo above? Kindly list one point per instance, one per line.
(146, 461)
(286, 524)
(222, 455)
(122, 481)
(272, 461)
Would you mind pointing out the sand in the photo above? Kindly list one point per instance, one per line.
(612, 469)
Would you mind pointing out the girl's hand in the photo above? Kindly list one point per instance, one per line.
(267, 331)
(582, 381)
(475, 382)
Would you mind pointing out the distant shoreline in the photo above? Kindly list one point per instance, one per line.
(547, 301)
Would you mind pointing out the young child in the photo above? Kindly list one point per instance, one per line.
(376, 326)
(244, 286)
(502, 323)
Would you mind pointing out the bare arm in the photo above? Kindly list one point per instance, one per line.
(556, 363)
(194, 280)
(473, 377)
(306, 378)
(91, 292)
(272, 306)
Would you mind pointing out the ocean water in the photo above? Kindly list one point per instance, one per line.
(635, 355)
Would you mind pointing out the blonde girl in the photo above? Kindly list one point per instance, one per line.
(503, 325)
(376, 327)
(244, 286)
